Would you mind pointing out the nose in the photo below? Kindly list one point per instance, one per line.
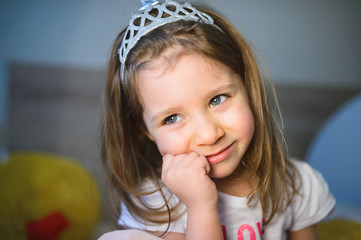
(207, 130)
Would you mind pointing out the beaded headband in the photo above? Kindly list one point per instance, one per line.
(135, 31)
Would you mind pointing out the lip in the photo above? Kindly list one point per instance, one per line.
(220, 156)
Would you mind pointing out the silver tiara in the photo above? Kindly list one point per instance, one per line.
(136, 28)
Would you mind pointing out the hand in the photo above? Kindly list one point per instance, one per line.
(186, 175)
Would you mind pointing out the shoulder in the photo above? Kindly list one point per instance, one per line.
(314, 201)
(310, 180)
(306, 172)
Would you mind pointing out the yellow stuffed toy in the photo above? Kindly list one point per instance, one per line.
(44, 196)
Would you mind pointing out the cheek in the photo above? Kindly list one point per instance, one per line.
(244, 125)
(172, 144)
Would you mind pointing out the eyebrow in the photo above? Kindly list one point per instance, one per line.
(166, 113)
(221, 88)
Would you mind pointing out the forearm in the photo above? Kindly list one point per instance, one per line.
(203, 224)
(186, 175)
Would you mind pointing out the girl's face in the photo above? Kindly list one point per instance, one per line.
(195, 104)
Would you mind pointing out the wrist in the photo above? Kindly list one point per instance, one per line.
(202, 209)
(204, 223)
(203, 206)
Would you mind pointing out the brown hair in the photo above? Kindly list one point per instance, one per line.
(131, 157)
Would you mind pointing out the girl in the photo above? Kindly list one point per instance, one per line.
(189, 138)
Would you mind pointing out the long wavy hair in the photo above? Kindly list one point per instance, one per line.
(130, 157)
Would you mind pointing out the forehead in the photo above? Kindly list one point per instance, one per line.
(172, 58)
(161, 63)
(167, 82)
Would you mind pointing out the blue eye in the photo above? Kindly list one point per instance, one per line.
(172, 119)
(217, 100)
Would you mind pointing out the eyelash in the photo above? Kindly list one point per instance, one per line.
(225, 96)
(165, 121)
(173, 116)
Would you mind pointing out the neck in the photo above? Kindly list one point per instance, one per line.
(240, 187)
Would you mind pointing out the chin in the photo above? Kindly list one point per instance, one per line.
(221, 172)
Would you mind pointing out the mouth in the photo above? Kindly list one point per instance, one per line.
(220, 156)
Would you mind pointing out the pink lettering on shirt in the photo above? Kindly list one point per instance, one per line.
(249, 228)
(224, 232)
(259, 226)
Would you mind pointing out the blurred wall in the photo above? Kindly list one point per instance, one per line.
(302, 41)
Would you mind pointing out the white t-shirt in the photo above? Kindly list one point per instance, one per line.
(242, 222)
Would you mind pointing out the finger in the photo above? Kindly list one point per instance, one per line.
(208, 167)
(166, 161)
(166, 156)
(205, 164)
